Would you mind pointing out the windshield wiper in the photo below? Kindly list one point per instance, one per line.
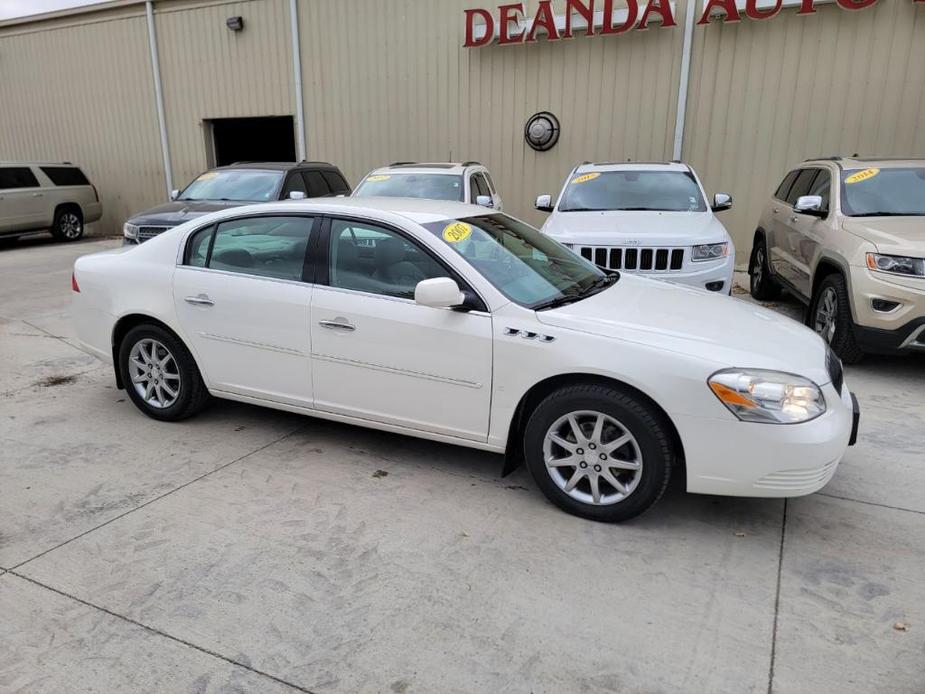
(595, 287)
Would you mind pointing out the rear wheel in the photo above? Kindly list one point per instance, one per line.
(598, 452)
(160, 375)
(68, 224)
(761, 285)
(830, 317)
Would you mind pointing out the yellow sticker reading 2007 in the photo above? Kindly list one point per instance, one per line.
(456, 232)
(380, 177)
(586, 177)
(864, 175)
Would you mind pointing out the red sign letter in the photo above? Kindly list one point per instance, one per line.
(506, 15)
(855, 4)
(752, 11)
(585, 11)
(633, 11)
(729, 6)
(544, 18)
(470, 28)
(663, 10)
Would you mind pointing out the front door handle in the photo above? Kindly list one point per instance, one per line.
(201, 300)
(337, 324)
(36, 195)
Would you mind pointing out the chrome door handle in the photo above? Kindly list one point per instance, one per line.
(337, 324)
(36, 195)
(201, 300)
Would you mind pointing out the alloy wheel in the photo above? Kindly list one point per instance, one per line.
(155, 374)
(758, 269)
(70, 225)
(826, 320)
(592, 457)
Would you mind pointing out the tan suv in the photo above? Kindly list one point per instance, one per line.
(847, 237)
(46, 196)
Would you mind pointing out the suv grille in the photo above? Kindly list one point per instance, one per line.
(146, 233)
(633, 258)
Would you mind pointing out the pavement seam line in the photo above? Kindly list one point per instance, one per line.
(57, 337)
(157, 498)
(164, 634)
(871, 503)
(780, 570)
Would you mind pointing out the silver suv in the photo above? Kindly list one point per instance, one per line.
(468, 181)
(37, 196)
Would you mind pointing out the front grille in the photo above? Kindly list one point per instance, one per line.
(632, 258)
(146, 233)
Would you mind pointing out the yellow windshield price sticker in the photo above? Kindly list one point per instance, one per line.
(456, 232)
(860, 176)
(207, 176)
(586, 177)
(380, 177)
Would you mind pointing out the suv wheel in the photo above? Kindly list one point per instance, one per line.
(830, 316)
(68, 224)
(761, 285)
(598, 452)
(160, 375)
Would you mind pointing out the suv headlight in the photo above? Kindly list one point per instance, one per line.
(771, 397)
(129, 231)
(896, 264)
(710, 251)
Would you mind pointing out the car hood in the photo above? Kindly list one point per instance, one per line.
(635, 228)
(179, 211)
(716, 329)
(893, 235)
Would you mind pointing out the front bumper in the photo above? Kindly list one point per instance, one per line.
(900, 329)
(733, 458)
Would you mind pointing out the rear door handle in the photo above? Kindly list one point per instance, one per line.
(338, 324)
(201, 300)
(36, 195)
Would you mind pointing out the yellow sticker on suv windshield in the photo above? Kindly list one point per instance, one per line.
(456, 232)
(207, 176)
(380, 177)
(864, 175)
(584, 178)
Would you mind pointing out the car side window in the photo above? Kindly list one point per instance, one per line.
(491, 184)
(265, 246)
(785, 185)
(473, 189)
(822, 187)
(801, 185)
(294, 183)
(369, 258)
(65, 175)
(317, 186)
(12, 177)
(336, 183)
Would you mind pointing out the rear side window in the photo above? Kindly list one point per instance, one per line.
(801, 185)
(335, 182)
(784, 187)
(17, 177)
(65, 175)
(317, 186)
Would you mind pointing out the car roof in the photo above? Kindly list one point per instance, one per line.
(276, 165)
(588, 166)
(856, 162)
(442, 167)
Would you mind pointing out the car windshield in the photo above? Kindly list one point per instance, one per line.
(412, 185)
(663, 191)
(240, 185)
(898, 192)
(525, 265)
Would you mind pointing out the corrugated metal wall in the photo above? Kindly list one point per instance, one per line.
(82, 92)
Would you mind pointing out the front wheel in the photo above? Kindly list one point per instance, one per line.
(830, 317)
(598, 452)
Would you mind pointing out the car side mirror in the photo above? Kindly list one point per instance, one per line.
(174, 194)
(296, 195)
(484, 201)
(439, 292)
(721, 201)
(811, 205)
(543, 203)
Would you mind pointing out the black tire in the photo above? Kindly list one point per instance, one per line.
(762, 285)
(636, 417)
(842, 339)
(192, 394)
(68, 224)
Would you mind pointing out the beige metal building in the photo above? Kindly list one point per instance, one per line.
(387, 80)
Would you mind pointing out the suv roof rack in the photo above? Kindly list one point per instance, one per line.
(829, 158)
(472, 163)
(402, 163)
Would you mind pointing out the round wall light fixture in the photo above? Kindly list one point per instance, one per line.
(542, 131)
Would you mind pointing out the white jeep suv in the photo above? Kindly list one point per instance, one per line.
(649, 218)
(466, 182)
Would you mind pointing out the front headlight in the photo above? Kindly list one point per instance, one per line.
(129, 231)
(896, 264)
(709, 251)
(771, 397)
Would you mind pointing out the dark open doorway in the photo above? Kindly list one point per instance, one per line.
(267, 138)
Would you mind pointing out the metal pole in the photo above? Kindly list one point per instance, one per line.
(684, 80)
(159, 97)
(297, 77)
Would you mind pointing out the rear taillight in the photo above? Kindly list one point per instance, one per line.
(74, 286)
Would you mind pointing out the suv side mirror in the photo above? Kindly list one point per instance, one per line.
(543, 203)
(721, 201)
(439, 292)
(484, 201)
(811, 205)
(296, 195)
(174, 194)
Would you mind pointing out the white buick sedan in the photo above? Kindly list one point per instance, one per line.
(455, 323)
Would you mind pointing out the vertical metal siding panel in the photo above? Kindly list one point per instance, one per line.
(90, 108)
